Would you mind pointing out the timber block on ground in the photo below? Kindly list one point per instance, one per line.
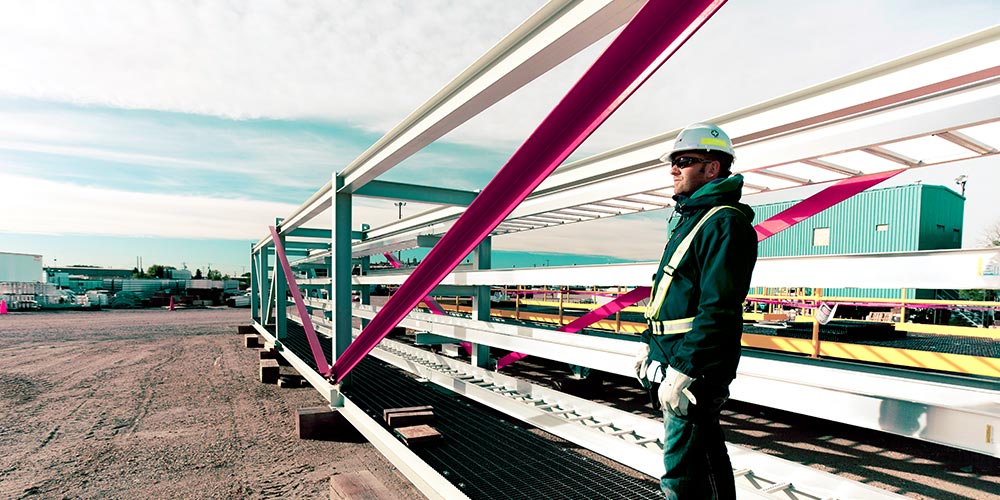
(358, 485)
(325, 424)
(410, 418)
(408, 409)
(245, 329)
(418, 435)
(268, 354)
(269, 371)
(251, 341)
(289, 381)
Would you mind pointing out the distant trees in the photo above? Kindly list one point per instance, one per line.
(992, 236)
(198, 275)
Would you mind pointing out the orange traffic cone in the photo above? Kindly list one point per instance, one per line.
(3, 306)
(171, 302)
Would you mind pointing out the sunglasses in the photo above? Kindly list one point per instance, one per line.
(687, 161)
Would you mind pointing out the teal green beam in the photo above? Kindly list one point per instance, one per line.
(254, 286)
(414, 192)
(305, 232)
(280, 300)
(482, 258)
(305, 245)
(340, 269)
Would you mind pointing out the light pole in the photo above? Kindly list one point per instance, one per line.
(400, 205)
(960, 181)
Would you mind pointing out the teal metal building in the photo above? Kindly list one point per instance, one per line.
(895, 219)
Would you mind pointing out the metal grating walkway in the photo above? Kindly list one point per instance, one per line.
(484, 454)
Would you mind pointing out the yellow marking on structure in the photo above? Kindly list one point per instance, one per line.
(989, 433)
(712, 141)
(784, 344)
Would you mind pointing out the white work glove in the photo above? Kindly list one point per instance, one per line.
(642, 363)
(674, 394)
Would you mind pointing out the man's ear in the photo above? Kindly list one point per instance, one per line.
(712, 170)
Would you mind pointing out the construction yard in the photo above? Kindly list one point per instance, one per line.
(157, 404)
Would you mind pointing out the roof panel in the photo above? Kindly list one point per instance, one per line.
(930, 149)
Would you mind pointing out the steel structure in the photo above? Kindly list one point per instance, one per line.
(861, 126)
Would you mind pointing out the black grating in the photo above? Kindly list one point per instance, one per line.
(483, 454)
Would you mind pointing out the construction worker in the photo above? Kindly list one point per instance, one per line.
(695, 313)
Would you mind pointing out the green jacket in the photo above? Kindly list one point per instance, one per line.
(709, 285)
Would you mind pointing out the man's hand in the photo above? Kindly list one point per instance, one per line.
(674, 394)
(642, 364)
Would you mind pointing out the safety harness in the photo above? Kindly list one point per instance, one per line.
(658, 294)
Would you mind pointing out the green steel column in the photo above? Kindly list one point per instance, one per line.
(265, 285)
(280, 294)
(366, 290)
(340, 282)
(254, 286)
(481, 259)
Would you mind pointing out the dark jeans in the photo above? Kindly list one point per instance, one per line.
(694, 450)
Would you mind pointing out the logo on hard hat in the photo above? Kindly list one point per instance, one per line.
(715, 133)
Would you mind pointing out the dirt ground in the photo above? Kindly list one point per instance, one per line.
(156, 404)
(160, 404)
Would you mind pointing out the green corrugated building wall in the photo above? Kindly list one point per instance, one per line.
(894, 219)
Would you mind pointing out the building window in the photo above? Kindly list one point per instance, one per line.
(940, 227)
(821, 237)
(881, 227)
(956, 235)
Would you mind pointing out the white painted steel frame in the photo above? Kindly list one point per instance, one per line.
(556, 32)
(948, 269)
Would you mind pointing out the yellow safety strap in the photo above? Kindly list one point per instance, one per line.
(671, 327)
(657, 296)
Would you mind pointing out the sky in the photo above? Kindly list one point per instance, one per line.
(176, 132)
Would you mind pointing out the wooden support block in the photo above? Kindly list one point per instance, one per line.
(410, 418)
(252, 341)
(358, 485)
(245, 329)
(269, 371)
(324, 423)
(775, 317)
(268, 354)
(388, 411)
(418, 435)
(288, 381)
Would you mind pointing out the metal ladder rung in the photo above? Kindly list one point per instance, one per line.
(560, 412)
(597, 424)
(742, 472)
(645, 440)
(621, 432)
(546, 406)
(578, 417)
(777, 487)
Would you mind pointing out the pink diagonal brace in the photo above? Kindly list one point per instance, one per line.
(300, 305)
(652, 36)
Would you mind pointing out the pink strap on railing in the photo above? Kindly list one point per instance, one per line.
(300, 305)
(428, 300)
(818, 202)
(652, 36)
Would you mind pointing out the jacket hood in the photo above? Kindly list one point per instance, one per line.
(718, 192)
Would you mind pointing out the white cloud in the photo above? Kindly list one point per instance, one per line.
(36, 206)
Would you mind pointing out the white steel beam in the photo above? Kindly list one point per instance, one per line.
(555, 33)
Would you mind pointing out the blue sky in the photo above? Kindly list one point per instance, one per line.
(177, 131)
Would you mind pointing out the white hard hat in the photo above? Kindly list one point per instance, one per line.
(701, 137)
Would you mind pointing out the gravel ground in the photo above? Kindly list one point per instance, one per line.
(156, 404)
(161, 404)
